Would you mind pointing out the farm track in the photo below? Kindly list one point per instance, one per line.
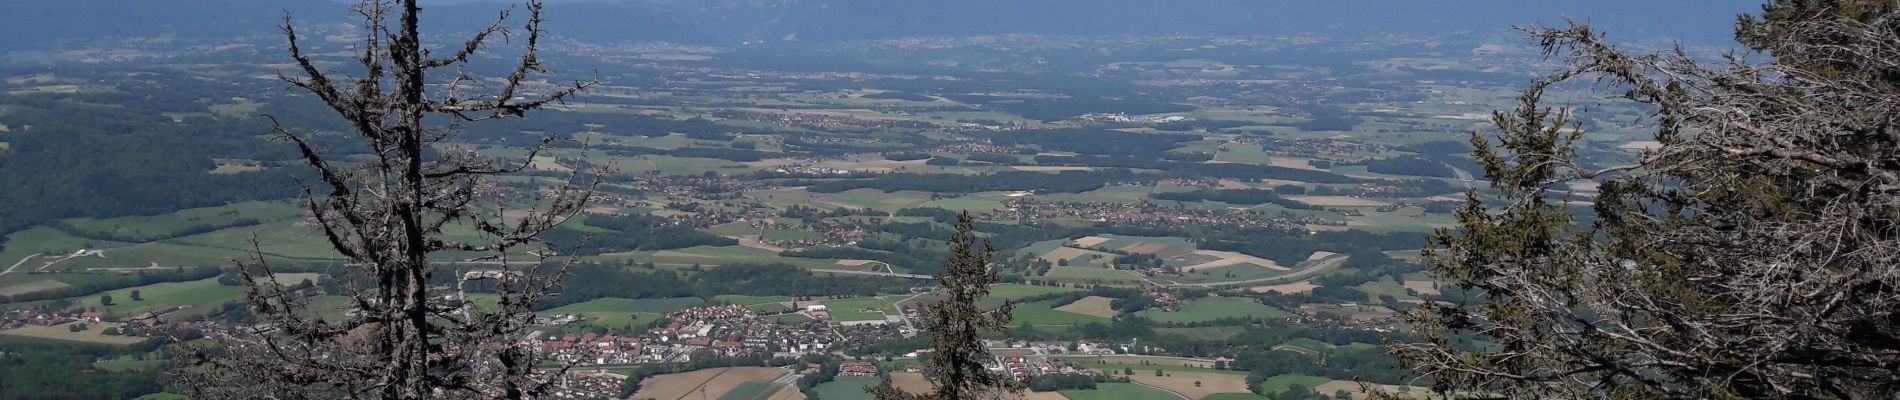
(1176, 394)
(18, 263)
(1315, 268)
(886, 274)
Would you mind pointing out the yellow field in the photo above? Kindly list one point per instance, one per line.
(1092, 305)
(547, 163)
(1287, 288)
(1049, 168)
(1357, 393)
(911, 382)
(716, 382)
(1183, 382)
(1319, 255)
(1118, 361)
(293, 278)
(1338, 201)
(61, 332)
(1289, 162)
(228, 169)
(1044, 396)
(1640, 145)
(782, 392)
(870, 165)
(31, 287)
(1228, 259)
(1423, 288)
(1091, 241)
(1068, 253)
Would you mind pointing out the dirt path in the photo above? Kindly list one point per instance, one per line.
(1176, 394)
(1315, 268)
(17, 264)
(753, 242)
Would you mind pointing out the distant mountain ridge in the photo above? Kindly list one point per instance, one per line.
(731, 22)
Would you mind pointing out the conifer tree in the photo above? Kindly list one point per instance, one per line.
(957, 323)
(1751, 255)
(407, 337)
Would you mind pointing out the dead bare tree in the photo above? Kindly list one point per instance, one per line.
(1753, 255)
(385, 212)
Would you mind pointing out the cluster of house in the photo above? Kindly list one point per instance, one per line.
(696, 186)
(857, 368)
(974, 147)
(725, 330)
(1129, 119)
(1024, 367)
(23, 317)
(1335, 145)
(10, 319)
(831, 232)
(1143, 212)
(583, 385)
(812, 170)
(828, 123)
(1164, 300)
(1346, 315)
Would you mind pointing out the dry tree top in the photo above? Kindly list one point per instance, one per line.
(1752, 255)
(385, 212)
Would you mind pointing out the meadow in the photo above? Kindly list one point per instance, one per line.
(193, 296)
(1119, 391)
(1044, 313)
(94, 333)
(845, 388)
(1199, 310)
(860, 309)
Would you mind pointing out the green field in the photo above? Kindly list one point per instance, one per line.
(169, 224)
(769, 308)
(1209, 309)
(1309, 344)
(94, 333)
(787, 234)
(751, 300)
(1205, 332)
(619, 312)
(127, 363)
(1227, 273)
(852, 309)
(1385, 286)
(747, 391)
(1235, 396)
(1012, 291)
(1119, 391)
(1280, 383)
(716, 255)
(198, 294)
(1044, 313)
(615, 304)
(966, 203)
(1150, 363)
(1112, 194)
(845, 388)
(45, 241)
(294, 278)
(1091, 274)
